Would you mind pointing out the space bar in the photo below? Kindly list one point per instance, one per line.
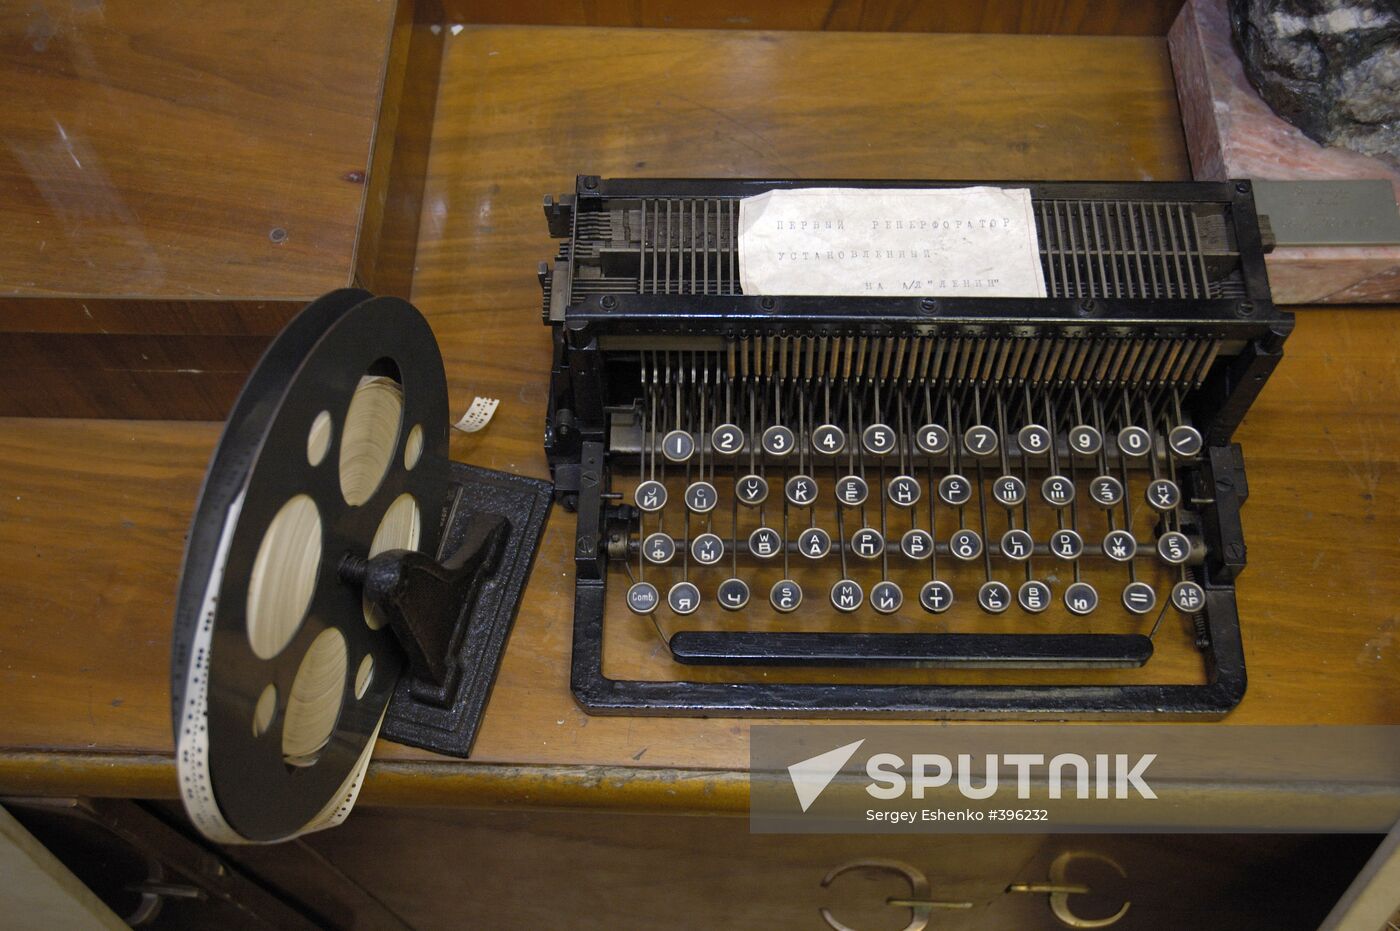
(1006, 651)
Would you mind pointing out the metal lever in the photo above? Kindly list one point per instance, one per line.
(423, 598)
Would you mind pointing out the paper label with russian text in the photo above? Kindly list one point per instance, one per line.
(890, 242)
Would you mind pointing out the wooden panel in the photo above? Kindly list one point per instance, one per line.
(138, 315)
(388, 237)
(131, 357)
(93, 515)
(179, 171)
(145, 394)
(162, 144)
(1067, 17)
(546, 869)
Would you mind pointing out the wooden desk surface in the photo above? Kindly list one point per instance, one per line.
(93, 514)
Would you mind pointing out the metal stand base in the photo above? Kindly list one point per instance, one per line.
(445, 718)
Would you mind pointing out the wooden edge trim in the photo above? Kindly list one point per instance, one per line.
(410, 783)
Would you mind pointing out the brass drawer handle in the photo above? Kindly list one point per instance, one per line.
(1060, 890)
(918, 903)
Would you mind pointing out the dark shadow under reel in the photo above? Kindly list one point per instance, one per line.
(342, 579)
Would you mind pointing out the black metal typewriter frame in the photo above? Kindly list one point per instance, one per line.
(576, 444)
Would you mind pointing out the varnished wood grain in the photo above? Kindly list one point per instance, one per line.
(1068, 17)
(606, 871)
(169, 154)
(161, 142)
(388, 234)
(131, 357)
(92, 514)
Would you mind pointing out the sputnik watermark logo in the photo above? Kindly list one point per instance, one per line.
(1105, 776)
(1038, 778)
(811, 776)
(1115, 775)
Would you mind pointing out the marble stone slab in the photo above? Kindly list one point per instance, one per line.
(1232, 133)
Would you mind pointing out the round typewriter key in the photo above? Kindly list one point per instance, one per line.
(903, 491)
(847, 595)
(932, 439)
(707, 549)
(886, 597)
(828, 439)
(1174, 547)
(878, 439)
(1009, 490)
(727, 439)
(1017, 544)
(785, 595)
(801, 490)
(1033, 596)
(814, 542)
(1034, 440)
(1085, 440)
(954, 489)
(1081, 598)
(751, 490)
(733, 594)
(1134, 441)
(643, 598)
(659, 548)
(683, 597)
(1119, 545)
(678, 446)
(980, 440)
(701, 497)
(867, 543)
(852, 490)
(1106, 491)
(765, 543)
(936, 597)
(1185, 441)
(778, 440)
(1138, 597)
(1057, 490)
(650, 496)
(1067, 544)
(1188, 597)
(1163, 494)
(994, 597)
(965, 544)
(916, 544)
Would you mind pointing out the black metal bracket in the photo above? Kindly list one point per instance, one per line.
(423, 598)
(453, 614)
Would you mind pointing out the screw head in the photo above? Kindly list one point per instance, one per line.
(609, 302)
(767, 303)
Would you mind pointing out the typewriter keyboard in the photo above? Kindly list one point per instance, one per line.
(911, 477)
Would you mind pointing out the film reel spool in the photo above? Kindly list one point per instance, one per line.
(280, 675)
